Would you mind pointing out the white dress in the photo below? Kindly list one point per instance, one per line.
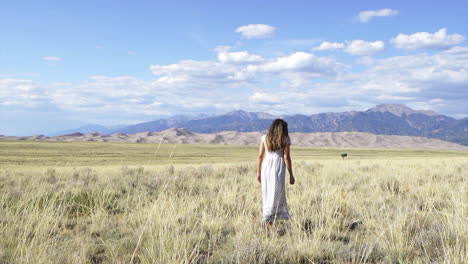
(274, 206)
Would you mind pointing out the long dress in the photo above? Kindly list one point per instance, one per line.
(273, 176)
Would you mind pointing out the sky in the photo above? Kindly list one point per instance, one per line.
(64, 64)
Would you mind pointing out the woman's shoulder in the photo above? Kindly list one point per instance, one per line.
(263, 137)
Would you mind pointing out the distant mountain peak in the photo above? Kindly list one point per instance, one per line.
(250, 115)
(237, 112)
(399, 110)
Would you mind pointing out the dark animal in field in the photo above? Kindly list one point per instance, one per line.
(344, 155)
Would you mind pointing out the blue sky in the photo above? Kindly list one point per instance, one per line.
(64, 64)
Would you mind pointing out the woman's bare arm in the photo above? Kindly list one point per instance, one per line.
(287, 160)
(261, 153)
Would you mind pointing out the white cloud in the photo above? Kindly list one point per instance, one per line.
(239, 57)
(256, 31)
(52, 58)
(422, 77)
(299, 62)
(298, 69)
(106, 94)
(202, 74)
(126, 97)
(236, 69)
(243, 69)
(266, 98)
(362, 47)
(355, 47)
(425, 40)
(330, 46)
(366, 16)
(21, 92)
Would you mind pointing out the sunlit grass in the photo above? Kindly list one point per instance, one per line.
(400, 207)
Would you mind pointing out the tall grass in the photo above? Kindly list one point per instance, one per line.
(343, 211)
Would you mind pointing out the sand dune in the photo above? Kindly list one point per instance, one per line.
(183, 136)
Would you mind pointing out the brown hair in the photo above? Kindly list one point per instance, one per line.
(277, 137)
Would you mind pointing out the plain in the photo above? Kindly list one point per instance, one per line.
(148, 203)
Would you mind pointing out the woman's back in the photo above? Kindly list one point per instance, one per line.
(278, 153)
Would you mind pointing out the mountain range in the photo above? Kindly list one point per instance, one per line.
(386, 119)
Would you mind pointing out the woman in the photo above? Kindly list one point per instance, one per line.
(273, 159)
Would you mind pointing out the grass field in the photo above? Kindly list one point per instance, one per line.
(144, 203)
(36, 153)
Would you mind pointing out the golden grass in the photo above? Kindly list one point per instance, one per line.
(403, 208)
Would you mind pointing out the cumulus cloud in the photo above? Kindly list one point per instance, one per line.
(52, 58)
(423, 77)
(239, 57)
(235, 69)
(298, 69)
(299, 62)
(425, 40)
(366, 16)
(207, 74)
(330, 46)
(256, 31)
(355, 47)
(362, 47)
